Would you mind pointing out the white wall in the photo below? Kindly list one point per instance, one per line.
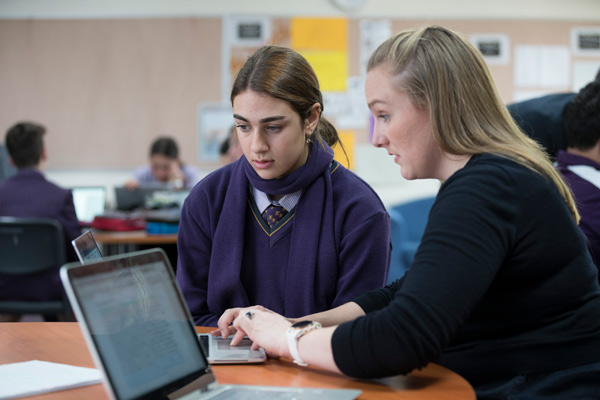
(585, 10)
(371, 164)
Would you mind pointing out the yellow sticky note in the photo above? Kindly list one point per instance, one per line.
(319, 34)
(331, 68)
(348, 139)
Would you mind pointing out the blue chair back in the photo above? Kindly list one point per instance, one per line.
(408, 221)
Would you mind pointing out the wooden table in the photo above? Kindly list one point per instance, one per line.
(62, 342)
(112, 243)
(133, 237)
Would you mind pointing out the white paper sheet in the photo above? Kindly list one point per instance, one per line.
(35, 377)
(583, 73)
(371, 34)
(542, 66)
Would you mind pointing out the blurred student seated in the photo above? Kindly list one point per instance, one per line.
(29, 194)
(165, 168)
(230, 149)
(580, 163)
(543, 119)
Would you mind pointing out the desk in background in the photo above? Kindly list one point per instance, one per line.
(112, 243)
(133, 238)
(62, 342)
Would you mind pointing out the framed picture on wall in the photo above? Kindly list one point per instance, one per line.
(241, 36)
(585, 41)
(248, 31)
(493, 46)
(214, 120)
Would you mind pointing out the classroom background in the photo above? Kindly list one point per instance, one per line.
(106, 78)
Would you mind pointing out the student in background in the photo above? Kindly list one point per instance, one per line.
(285, 225)
(29, 194)
(230, 150)
(543, 119)
(580, 163)
(223, 156)
(502, 289)
(165, 168)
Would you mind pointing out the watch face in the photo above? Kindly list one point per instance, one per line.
(301, 324)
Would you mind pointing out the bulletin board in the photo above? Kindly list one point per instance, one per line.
(105, 88)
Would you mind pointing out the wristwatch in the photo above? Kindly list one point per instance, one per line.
(294, 333)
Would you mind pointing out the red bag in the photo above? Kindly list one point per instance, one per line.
(118, 223)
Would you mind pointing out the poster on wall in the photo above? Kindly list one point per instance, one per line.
(324, 44)
(542, 67)
(584, 72)
(214, 120)
(371, 34)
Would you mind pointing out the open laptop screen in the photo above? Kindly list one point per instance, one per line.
(89, 202)
(86, 248)
(138, 322)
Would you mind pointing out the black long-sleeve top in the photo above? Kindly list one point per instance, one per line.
(501, 285)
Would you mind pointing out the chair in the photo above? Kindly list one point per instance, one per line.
(30, 246)
(408, 222)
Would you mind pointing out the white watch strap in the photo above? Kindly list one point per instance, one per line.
(293, 335)
(293, 345)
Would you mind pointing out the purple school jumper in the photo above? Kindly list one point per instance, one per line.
(333, 246)
(587, 195)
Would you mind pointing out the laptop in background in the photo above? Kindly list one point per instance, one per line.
(86, 247)
(140, 334)
(89, 201)
(150, 197)
(130, 199)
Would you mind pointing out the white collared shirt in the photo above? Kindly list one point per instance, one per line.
(288, 201)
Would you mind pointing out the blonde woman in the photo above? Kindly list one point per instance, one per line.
(502, 289)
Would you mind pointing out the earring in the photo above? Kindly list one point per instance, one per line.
(308, 139)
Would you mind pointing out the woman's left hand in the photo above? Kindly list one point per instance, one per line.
(265, 328)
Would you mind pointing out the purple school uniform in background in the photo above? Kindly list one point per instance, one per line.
(583, 177)
(29, 194)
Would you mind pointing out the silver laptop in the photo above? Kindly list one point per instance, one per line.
(140, 334)
(217, 350)
(86, 248)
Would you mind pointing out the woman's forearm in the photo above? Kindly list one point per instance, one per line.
(345, 312)
(314, 349)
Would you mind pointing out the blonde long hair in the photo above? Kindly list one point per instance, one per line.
(442, 71)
